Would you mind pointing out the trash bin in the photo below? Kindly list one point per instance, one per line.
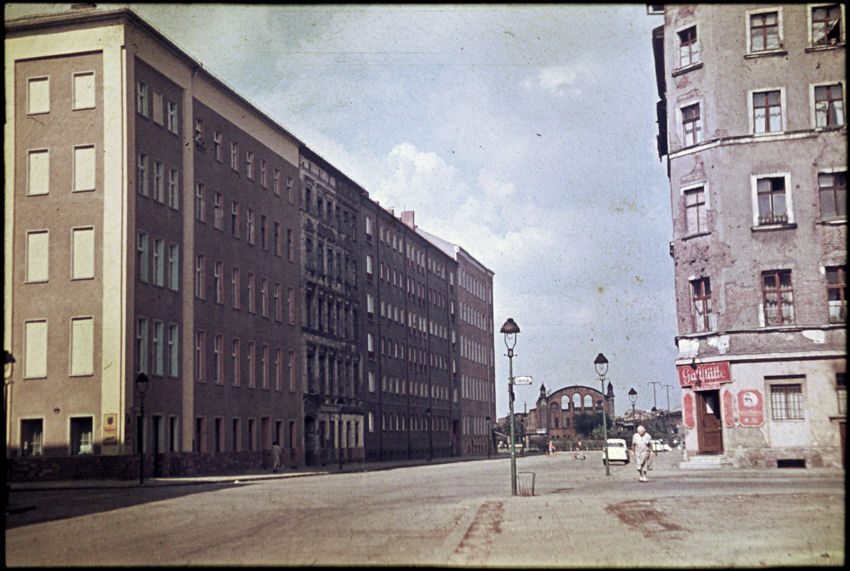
(525, 483)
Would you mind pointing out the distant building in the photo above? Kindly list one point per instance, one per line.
(752, 122)
(554, 417)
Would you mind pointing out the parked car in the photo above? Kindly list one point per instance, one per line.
(617, 451)
(658, 446)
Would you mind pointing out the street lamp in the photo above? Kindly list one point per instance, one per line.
(633, 398)
(142, 384)
(510, 330)
(601, 364)
(489, 436)
(430, 440)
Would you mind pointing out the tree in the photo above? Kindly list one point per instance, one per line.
(587, 423)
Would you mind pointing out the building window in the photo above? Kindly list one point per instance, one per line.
(234, 156)
(278, 370)
(688, 47)
(695, 211)
(276, 181)
(158, 194)
(199, 132)
(291, 371)
(369, 269)
(832, 188)
(82, 253)
(32, 436)
(159, 262)
(218, 281)
(841, 394)
(173, 350)
(218, 344)
(171, 114)
(778, 297)
(38, 256)
(249, 228)
(764, 32)
(370, 345)
(264, 297)
(290, 245)
(38, 95)
(200, 286)
(235, 357)
(142, 174)
(252, 365)
(691, 125)
(826, 25)
(174, 189)
(277, 238)
(200, 203)
(218, 211)
(770, 193)
(142, 98)
(84, 168)
(278, 305)
(199, 355)
(38, 172)
(234, 219)
(142, 345)
(234, 287)
(83, 87)
(829, 105)
(142, 257)
(786, 402)
(290, 190)
(767, 111)
(249, 164)
(701, 300)
(252, 307)
(81, 436)
(217, 145)
(291, 304)
(264, 179)
(82, 346)
(264, 235)
(264, 366)
(174, 267)
(156, 101)
(836, 293)
(158, 346)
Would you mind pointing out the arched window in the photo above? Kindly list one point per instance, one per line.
(588, 402)
(565, 402)
(576, 400)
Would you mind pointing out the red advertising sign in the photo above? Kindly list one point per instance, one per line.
(750, 408)
(727, 409)
(706, 375)
(688, 410)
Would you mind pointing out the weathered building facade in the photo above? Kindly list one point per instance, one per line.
(555, 414)
(751, 120)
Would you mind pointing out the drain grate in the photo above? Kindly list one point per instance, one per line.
(791, 463)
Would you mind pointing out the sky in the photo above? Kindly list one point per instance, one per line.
(525, 133)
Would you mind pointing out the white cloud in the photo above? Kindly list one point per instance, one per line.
(559, 80)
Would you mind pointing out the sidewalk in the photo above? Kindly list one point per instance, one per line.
(237, 478)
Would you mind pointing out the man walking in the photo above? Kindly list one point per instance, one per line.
(642, 451)
(275, 456)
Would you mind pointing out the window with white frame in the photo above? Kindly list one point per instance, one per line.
(199, 131)
(142, 174)
(828, 104)
(200, 286)
(200, 355)
(773, 200)
(832, 188)
(696, 210)
(159, 262)
(173, 350)
(276, 181)
(836, 293)
(767, 111)
(142, 257)
(826, 25)
(82, 253)
(841, 393)
(158, 186)
(778, 296)
(174, 267)
(234, 155)
(218, 282)
(249, 164)
(142, 345)
(174, 189)
(142, 104)
(250, 229)
(764, 31)
(171, 117)
(38, 95)
(200, 202)
(37, 256)
(235, 359)
(252, 292)
(35, 349)
(158, 348)
(217, 146)
(218, 211)
(218, 348)
(38, 172)
(691, 125)
(689, 52)
(234, 219)
(252, 365)
(234, 288)
(83, 90)
(264, 175)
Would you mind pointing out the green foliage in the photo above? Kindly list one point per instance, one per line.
(590, 424)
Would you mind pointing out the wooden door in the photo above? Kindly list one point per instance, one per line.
(709, 426)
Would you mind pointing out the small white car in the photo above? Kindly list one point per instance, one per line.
(658, 446)
(617, 451)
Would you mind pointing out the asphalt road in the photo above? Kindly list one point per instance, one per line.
(459, 514)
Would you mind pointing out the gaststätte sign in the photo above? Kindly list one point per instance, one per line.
(706, 375)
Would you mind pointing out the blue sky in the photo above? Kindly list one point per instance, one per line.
(525, 133)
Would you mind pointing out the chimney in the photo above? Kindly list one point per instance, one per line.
(407, 217)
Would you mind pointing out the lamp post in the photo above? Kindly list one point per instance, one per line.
(601, 364)
(510, 330)
(489, 435)
(632, 399)
(430, 440)
(142, 384)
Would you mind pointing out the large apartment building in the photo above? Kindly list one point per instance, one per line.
(752, 122)
(159, 226)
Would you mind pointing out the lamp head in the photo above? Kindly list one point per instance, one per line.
(142, 383)
(632, 395)
(510, 329)
(601, 364)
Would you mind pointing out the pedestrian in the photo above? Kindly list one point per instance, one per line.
(275, 456)
(551, 448)
(642, 451)
(579, 452)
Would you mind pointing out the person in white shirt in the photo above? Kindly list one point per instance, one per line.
(642, 451)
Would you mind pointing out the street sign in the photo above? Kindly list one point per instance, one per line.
(522, 380)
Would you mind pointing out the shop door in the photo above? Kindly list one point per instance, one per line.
(709, 427)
